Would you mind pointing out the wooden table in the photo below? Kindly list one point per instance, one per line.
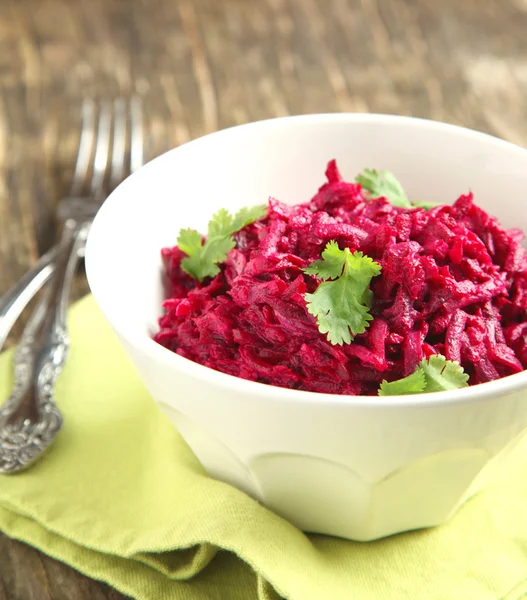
(201, 65)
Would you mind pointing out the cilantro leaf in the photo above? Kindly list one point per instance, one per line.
(338, 312)
(204, 263)
(435, 374)
(413, 384)
(189, 240)
(442, 374)
(342, 301)
(202, 258)
(224, 224)
(424, 204)
(331, 264)
(383, 184)
(220, 225)
(248, 215)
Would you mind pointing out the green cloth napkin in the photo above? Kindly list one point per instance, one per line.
(121, 498)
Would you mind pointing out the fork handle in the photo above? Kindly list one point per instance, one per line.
(30, 419)
(51, 341)
(43, 347)
(13, 302)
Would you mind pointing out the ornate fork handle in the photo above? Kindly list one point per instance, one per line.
(30, 419)
(13, 302)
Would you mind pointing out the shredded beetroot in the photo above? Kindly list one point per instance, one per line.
(453, 282)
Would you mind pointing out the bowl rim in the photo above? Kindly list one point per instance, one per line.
(147, 345)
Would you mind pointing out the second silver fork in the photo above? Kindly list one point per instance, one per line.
(30, 419)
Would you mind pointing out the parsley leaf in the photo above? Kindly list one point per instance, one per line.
(442, 374)
(331, 264)
(220, 225)
(189, 241)
(202, 258)
(383, 184)
(435, 374)
(204, 262)
(424, 204)
(248, 215)
(413, 384)
(342, 301)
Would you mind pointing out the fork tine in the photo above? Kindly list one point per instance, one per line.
(136, 141)
(102, 148)
(119, 142)
(85, 147)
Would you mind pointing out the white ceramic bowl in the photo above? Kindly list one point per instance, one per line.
(356, 467)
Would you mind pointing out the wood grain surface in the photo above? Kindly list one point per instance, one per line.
(200, 65)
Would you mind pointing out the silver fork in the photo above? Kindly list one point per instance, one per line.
(30, 419)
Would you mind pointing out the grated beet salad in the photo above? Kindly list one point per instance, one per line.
(453, 282)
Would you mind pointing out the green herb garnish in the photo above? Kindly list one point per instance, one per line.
(341, 303)
(435, 374)
(202, 258)
(442, 374)
(383, 184)
(413, 384)
(424, 204)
